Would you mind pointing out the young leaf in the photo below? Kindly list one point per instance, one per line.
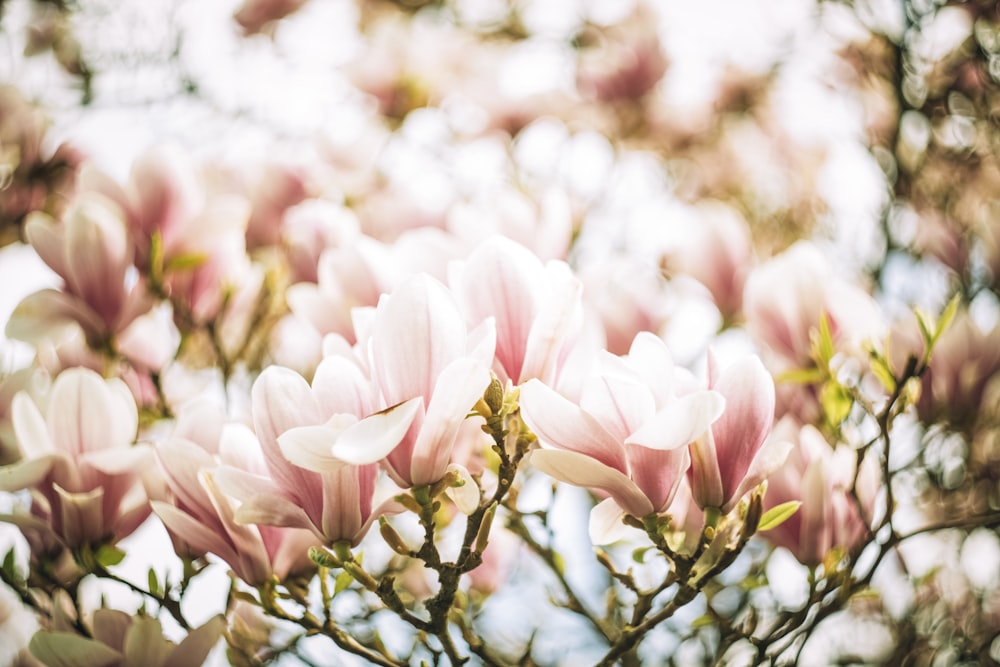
(153, 582)
(836, 402)
(108, 555)
(342, 581)
(777, 515)
(947, 316)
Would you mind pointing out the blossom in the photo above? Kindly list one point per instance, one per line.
(537, 308)
(202, 518)
(820, 477)
(80, 459)
(420, 349)
(91, 251)
(320, 446)
(628, 435)
(730, 458)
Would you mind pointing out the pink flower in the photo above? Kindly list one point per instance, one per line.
(537, 308)
(628, 435)
(729, 459)
(785, 298)
(320, 445)
(819, 476)
(92, 253)
(80, 458)
(202, 518)
(420, 349)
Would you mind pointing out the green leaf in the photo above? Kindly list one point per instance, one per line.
(639, 555)
(153, 582)
(802, 376)
(822, 342)
(156, 256)
(947, 317)
(880, 367)
(10, 566)
(777, 515)
(925, 323)
(836, 402)
(343, 580)
(108, 555)
(186, 262)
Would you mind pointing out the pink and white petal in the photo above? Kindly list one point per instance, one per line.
(48, 238)
(704, 475)
(658, 473)
(466, 496)
(741, 430)
(458, 388)
(310, 447)
(347, 501)
(83, 420)
(183, 461)
(418, 330)
(254, 562)
(680, 422)
(620, 404)
(194, 649)
(561, 423)
(122, 406)
(82, 516)
(651, 359)
(274, 510)
(28, 473)
(559, 316)
(606, 523)
(38, 315)
(340, 386)
(770, 457)
(119, 461)
(581, 470)
(29, 427)
(243, 485)
(374, 437)
(195, 534)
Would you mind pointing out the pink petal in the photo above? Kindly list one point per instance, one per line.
(680, 422)
(418, 331)
(82, 516)
(621, 405)
(39, 313)
(270, 510)
(47, 237)
(558, 317)
(658, 473)
(769, 458)
(581, 470)
(87, 412)
(458, 388)
(561, 423)
(200, 538)
(742, 429)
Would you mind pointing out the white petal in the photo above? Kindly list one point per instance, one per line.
(374, 437)
(29, 427)
(606, 525)
(680, 422)
(466, 496)
(581, 470)
(310, 447)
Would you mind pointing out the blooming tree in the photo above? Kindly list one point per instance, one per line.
(513, 358)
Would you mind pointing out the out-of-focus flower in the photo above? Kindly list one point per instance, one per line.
(537, 308)
(820, 477)
(256, 16)
(731, 457)
(421, 349)
(717, 253)
(626, 62)
(30, 178)
(785, 298)
(962, 383)
(80, 460)
(627, 298)
(92, 253)
(628, 435)
(124, 640)
(201, 520)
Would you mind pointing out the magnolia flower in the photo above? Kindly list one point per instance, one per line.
(91, 251)
(730, 458)
(536, 307)
(125, 640)
(423, 355)
(202, 519)
(785, 298)
(79, 459)
(628, 435)
(320, 445)
(819, 476)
